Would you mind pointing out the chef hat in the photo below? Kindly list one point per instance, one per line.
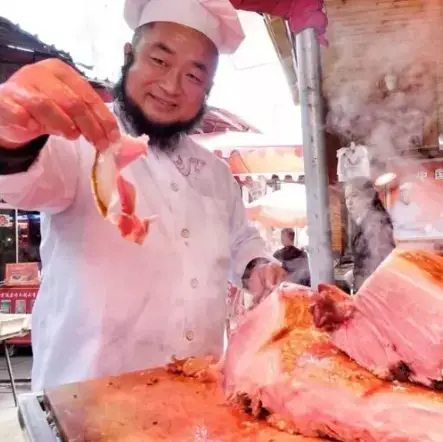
(217, 19)
(406, 186)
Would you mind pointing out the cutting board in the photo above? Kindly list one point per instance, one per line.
(151, 406)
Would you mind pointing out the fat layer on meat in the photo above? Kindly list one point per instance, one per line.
(278, 361)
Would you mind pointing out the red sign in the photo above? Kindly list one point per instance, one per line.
(22, 274)
(18, 300)
(5, 220)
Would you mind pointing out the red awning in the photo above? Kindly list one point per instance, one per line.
(221, 120)
(300, 14)
(250, 154)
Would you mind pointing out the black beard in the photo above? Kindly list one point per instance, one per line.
(165, 136)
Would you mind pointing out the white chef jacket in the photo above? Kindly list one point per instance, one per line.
(108, 306)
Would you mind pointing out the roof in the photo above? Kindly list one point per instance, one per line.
(12, 35)
(20, 47)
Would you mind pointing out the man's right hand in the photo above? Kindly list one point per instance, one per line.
(50, 97)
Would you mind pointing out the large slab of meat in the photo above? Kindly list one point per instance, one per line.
(394, 325)
(153, 406)
(278, 364)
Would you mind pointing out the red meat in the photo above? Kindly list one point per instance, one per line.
(281, 368)
(394, 325)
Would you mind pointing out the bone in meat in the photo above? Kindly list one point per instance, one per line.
(394, 325)
(277, 361)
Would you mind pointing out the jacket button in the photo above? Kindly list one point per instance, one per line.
(185, 233)
(189, 335)
(194, 283)
(174, 187)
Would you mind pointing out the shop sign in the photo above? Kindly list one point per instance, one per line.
(15, 294)
(24, 273)
(438, 175)
(5, 220)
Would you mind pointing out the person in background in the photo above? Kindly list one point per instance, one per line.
(294, 260)
(405, 214)
(373, 238)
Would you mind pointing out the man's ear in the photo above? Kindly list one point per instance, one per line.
(127, 52)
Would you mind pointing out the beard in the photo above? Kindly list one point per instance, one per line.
(164, 136)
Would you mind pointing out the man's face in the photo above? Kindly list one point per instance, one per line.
(285, 239)
(357, 202)
(172, 73)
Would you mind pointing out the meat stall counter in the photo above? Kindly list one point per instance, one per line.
(149, 406)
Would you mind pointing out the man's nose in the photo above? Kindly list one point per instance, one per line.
(171, 82)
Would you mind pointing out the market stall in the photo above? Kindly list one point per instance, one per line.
(17, 296)
(283, 208)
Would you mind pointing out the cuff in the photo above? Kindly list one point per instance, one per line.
(19, 160)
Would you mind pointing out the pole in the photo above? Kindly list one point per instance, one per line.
(316, 175)
(17, 249)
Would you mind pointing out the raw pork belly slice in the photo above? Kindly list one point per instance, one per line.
(278, 366)
(394, 325)
(115, 196)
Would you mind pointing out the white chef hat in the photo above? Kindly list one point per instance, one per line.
(217, 19)
(406, 186)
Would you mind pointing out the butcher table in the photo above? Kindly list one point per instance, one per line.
(147, 406)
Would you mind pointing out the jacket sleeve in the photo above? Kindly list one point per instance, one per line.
(246, 243)
(42, 178)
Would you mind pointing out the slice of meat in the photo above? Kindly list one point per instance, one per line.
(115, 196)
(279, 365)
(395, 325)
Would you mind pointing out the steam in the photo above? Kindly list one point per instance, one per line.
(382, 89)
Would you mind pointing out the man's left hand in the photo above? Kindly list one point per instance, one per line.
(263, 279)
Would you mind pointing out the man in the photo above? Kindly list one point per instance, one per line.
(107, 305)
(294, 260)
(405, 215)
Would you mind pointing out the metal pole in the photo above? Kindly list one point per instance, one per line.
(17, 249)
(316, 175)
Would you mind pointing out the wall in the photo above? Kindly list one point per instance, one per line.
(369, 40)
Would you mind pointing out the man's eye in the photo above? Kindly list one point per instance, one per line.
(195, 79)
(158, 61)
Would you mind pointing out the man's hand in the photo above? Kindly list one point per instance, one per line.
(51, 98)
(264, 278)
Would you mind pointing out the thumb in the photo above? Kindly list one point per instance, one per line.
(271, 276)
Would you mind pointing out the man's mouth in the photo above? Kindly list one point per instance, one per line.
(165, 104)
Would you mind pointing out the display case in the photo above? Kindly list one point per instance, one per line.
(19, 244)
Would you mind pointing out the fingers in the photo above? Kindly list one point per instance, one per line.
(46, 113)
(17, 126)
(71, 104)
(90, 101)
(274, 275)
(51, 97)
(12, 113)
